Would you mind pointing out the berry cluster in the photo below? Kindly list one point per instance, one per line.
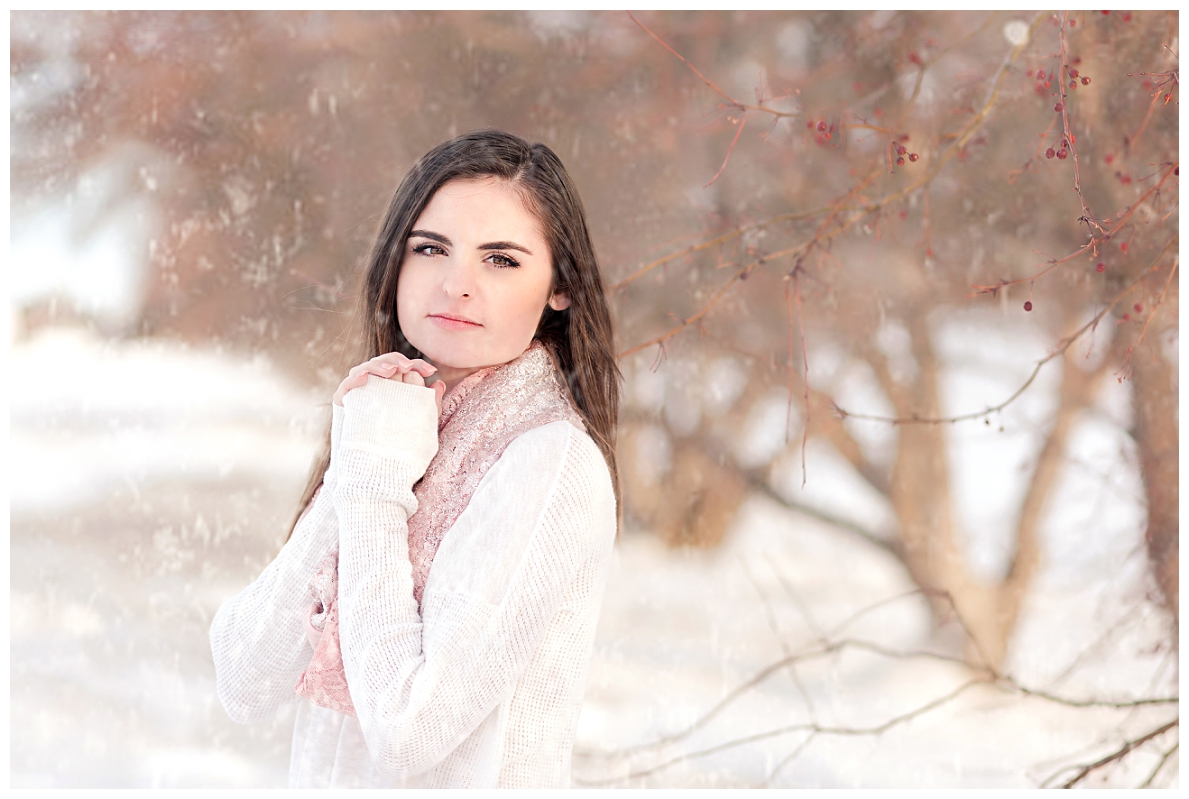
(824, 131)
(901, 151)
(1061, 153)
(1042, 81)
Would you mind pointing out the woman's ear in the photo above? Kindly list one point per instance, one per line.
(559, 301)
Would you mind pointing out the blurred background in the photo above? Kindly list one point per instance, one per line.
(896, 295)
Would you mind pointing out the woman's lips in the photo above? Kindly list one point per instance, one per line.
(453, 322)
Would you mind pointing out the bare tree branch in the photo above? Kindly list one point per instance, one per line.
(1061, 348)
(1160, 765)
(1120, 753)
(816, 729)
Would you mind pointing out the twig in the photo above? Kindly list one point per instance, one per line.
(1062, 347)
(1168, 77)
(714, 242)
(1091, 245)
(826, 648)
(795, 275)
(701, 312)
(1062, 74)
(738, 133)
(774, 626)
(1117, 704)
(1160, 765)
(790, 758)
(968, 129)
(1126, 368)
(697, 72)
(816, 729)
(758, 482)
(1120, 753)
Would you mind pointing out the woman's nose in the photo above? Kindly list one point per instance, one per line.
(459, 280)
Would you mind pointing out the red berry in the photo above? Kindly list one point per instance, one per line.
(1073, 84)
(821, 125)
(1059, 107)
(1049, 153)
(1124, 246)
(1085, 81)
(1048, 84)
(914, 58)
(1127, 17)
(1126, 317)
(901, 149)
(1101, 268)
(1105, 13)
(900, 161)
(1073, 73)
(1028, 305)
(913, 156)
(1062, 153)
(1073, 22)
(1138, 308)
(1040, 74)
(1109, 157)
(1177, 171)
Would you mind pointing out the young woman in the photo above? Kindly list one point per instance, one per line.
(477, 438)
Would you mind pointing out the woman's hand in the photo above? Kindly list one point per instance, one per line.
(391, 366)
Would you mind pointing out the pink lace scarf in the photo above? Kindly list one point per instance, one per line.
(480, 416)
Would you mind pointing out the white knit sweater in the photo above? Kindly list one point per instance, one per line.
(480, 688)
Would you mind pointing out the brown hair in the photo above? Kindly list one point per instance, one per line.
(579, 338)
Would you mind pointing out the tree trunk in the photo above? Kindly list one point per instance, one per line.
(1156, 429)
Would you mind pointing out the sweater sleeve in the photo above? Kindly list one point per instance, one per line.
(258, 641)
(421, 685)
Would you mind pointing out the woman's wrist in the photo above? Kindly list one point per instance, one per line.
(391, 419)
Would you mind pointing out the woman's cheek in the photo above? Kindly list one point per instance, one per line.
(527, 317)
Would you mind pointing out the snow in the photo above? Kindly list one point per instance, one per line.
(157, 479)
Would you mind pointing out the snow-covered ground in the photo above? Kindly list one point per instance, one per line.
(150, 481)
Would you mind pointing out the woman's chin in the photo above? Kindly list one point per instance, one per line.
(461, 355)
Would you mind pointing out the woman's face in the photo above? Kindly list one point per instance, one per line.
(474, 278)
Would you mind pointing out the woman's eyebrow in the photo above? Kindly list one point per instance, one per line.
(429, 234)
(503, 245)
(491, 245)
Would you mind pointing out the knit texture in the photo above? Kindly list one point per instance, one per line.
(482, 684)
(480, 416)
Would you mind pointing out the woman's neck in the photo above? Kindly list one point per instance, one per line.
(452, 376)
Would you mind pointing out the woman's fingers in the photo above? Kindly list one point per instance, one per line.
(390, 365)
(424, 368)
(352, 381)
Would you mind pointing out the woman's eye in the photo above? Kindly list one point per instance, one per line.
(429, 249)
(501, 260)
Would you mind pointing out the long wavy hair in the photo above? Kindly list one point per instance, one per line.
(579, 338)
